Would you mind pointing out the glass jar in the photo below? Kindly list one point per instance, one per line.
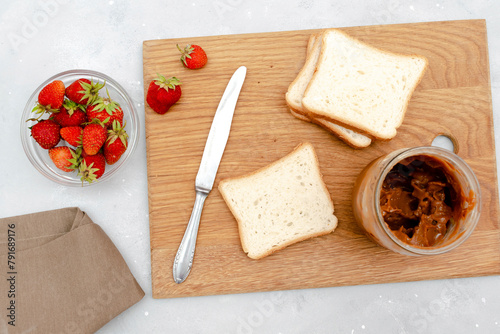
(367, 197)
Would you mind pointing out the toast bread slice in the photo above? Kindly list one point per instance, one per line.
(280, 204)
(296, 91)
(361, 87)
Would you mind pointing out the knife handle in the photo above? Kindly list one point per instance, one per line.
(184, 257)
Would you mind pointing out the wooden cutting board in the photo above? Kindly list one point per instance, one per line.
(453, 98)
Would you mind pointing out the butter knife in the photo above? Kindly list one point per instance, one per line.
(212, 155)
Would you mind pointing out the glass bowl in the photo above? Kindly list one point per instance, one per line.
(39, 156)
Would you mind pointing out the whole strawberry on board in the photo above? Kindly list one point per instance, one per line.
(72, 135)
(193, 56)
(50, 98)
(116, 144)
(46, 133)
(93, 137)
(65, 158)
(105, 110)
(70, 114)
(163, 93)
(84, 91)
(91, 167)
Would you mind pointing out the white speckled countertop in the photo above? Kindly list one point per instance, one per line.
(42, 37)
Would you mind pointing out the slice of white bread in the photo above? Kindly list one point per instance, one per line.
(296, 103)
(361, 87)
(296, 91)
(300, 116)
(350, 137)
(299, 84)
(280, 204)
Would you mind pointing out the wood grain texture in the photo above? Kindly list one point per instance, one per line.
(453, 98)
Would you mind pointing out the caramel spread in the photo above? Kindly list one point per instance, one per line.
(420, 200)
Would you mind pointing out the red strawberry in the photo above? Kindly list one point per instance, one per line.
(163, 93)
(116, 144)
(72, 135)
(105, 110)
(50, 98)
(63, 157)
(93, 137)
(92, 167)
(70, 114)
(193, 56)
(46, 133)
(83, 91)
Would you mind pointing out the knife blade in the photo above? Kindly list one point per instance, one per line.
(212, 155)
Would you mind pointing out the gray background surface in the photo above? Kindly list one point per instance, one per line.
(40, 38)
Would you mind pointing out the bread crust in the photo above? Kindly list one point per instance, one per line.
(315, 113)
(299, 115)
(291, 242)
(349, 141)
(239, 219)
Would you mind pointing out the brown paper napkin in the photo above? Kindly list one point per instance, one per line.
(60, 273)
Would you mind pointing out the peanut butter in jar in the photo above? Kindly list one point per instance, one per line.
(417, 201)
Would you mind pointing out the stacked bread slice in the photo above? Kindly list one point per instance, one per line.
(352, 89)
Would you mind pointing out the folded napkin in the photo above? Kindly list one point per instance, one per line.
(60, 273)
